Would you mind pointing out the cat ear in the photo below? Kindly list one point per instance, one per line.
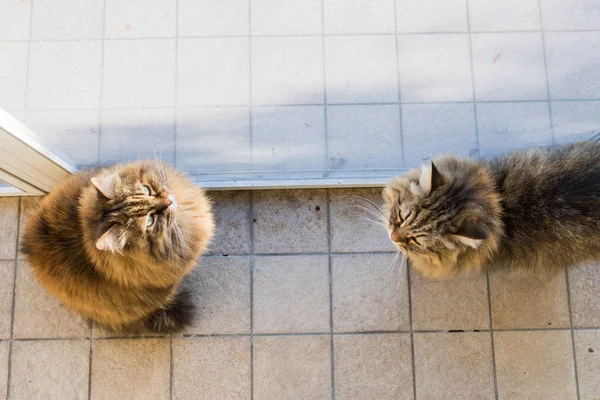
(470, 232)
(113, 240)
(430, 179)
(105, 185)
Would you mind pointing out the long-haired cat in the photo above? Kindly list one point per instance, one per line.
(114, 244)
(536, 209)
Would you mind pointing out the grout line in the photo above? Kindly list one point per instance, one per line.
(176, 84)
(412, 331)
(175, 115)
(14, 297)
(402, 151)
(27, 73)
(325, 114)
(330, 279)
(301, 254)
(278, 334)
(546, 75)
(572, 333)
(102, 62)
(171, 368)
(338, 104)
(251, 220)
(489, 298)
(475, 117)
(410, 33)
(90, 369)
(251, 213)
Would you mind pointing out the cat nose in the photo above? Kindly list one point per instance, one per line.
(398, 237)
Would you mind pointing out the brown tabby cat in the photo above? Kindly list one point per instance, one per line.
(114, 244)
(536, 209)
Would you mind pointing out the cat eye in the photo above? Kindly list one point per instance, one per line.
(146, 190)
(414, 240)
(149, 220)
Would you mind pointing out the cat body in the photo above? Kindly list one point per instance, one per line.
(537, 209)
(115, 244)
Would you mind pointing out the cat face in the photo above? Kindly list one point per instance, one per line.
(138, 212)
(433, 216)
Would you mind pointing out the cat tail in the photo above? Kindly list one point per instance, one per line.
(174, 317)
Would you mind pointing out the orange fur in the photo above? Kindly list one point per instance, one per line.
(118, 287)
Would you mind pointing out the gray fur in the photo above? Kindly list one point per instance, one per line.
(536, 209)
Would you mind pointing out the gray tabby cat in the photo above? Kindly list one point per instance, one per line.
(536, 209)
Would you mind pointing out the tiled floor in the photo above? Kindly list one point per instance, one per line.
(299, 299)
(312, 89)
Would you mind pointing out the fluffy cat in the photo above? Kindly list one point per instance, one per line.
(537, 210)
(114, 244)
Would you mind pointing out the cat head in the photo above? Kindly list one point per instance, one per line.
(136, 211)
(447, 208)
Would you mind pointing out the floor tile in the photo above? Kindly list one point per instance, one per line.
(534, 365)
(358, 17)
(369, 294)
(137, 134)
(454, 366)
(65, 19)
(213, 18)
(288, 138)
(431, 16)
(507, 15)
(72, 133)
(32, 302)
(584, 289)
(130, 369)
(128, 67)
(213, 71)
(364, 137)
(15, 20)
(572, 61)
(353, 227)
(520, 301)
(221, 290)
(373, 367)
(211, 368)
(509, 66)
(9, 227)
(290, 221)
(287, 70)
(55, 369)
(570, 14)
(291, 294)
(575, 120)
(286, 17)
(140, 18)
(587, 348)
(368, 78)
(4, 350)
(71, 81)
(297, 367)
(7, 279)
(435, 68)
(232, 217)
(13, 74)
(430, 130)
(506, 127)
(213, 139)
(460, 303)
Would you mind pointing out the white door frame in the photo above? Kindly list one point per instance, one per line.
(31, 168)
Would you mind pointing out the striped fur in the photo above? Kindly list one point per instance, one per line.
(89, 245)
(536, 210)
